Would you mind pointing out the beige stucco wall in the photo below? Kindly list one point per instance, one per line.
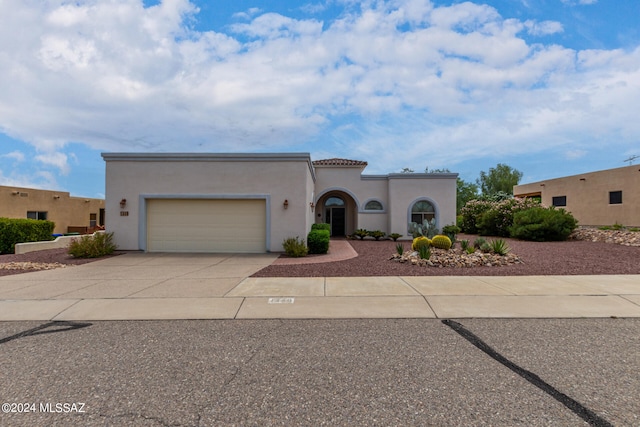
(357, 190)
(396, 192)
(588, 195)
(63, 209)
(275, 177)
(406, 189)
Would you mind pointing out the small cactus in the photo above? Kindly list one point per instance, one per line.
(441, 241)
(419, 242)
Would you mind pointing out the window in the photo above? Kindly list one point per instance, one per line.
(93, 220)
(36, 215)
(334, 201)
(373, 205)
(422, 210)
(559, 201)
(615, 197)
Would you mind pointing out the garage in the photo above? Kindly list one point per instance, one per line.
(206, 225)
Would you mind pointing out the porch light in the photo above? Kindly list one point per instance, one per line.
(123, 203)
(312, 206)
(285, 204)
(56, 197)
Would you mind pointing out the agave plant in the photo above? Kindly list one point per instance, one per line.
(499, 247)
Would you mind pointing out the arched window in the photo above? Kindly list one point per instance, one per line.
(334, 202)
(422, 210)
(373, 205)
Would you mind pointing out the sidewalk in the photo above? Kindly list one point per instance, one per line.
(141, 286)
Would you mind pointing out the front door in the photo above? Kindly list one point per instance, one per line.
(336, 214)
(337, 221)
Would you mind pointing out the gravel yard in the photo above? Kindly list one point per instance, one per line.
(538, 258)
(609, 254)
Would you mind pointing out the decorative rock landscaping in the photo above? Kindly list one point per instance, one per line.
(620, 237)
(457, 259)
(30, 266)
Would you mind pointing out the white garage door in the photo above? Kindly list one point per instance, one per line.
(201, 225)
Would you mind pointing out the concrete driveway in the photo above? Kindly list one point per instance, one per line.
(149, 286)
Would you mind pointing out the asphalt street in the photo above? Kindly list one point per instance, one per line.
(427, 372)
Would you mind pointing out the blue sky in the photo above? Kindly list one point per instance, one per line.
(549, 87)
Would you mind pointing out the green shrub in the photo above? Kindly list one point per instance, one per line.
(464, 244)
(92, 246)
(634, 229)
(399, 248)
(395, 236)
(321, 226)
(471, 213)
(377, 234)
(543, 224)
(418, 242)
(318, 241)
(493, 217)
(497, 220)
(294, 247)
(14, 231)
(442, 242)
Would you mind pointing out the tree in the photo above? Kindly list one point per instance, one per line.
(465, 191)
(406, 170)
(502, 178)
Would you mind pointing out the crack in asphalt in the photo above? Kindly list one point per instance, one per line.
(63, 326)
(573, 405)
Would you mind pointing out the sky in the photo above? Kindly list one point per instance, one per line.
(548, 87)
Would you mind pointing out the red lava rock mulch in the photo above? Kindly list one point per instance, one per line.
(539, 258)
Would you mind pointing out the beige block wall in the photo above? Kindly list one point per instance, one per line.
(588, 195)
(63, 209)
(135, 176)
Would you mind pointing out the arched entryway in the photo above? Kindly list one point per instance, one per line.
(338, 209)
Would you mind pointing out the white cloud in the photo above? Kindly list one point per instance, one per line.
(42, 180)
(118, 76)
(579, 2)
(543, 28)
(18, 156)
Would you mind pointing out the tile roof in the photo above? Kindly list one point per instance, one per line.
(339, 162)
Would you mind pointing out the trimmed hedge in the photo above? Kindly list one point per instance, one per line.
(318, 241)
(321, 226)
(14, 231)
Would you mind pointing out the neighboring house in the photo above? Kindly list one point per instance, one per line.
(196, 202)
(70, 214)
(596, 198)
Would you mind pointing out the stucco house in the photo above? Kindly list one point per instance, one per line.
(200, 202)
(69, 213)
(596, 198)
